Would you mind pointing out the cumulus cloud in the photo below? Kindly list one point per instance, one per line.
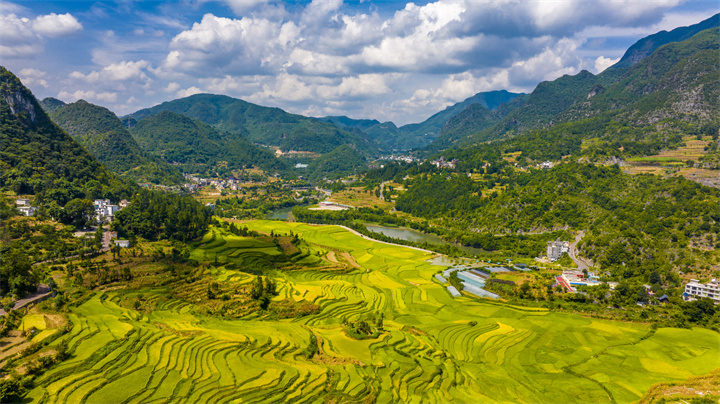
(22, 36)
(33, 77)
(362, 85)
(188, 92)
(326, 56)
(123, 71)
(87, 95)
(53, 25)
(602, 63)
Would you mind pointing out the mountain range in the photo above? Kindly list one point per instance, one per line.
(103, 135)
(679, 79)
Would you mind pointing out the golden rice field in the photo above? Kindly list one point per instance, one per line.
(433, 348)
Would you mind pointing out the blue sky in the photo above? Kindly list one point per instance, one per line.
(387, 60)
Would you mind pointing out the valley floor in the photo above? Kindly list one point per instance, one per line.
(431, 348)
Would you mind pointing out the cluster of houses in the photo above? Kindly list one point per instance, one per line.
(23, 205)
(403, 158)
(441, 163)
(545, 165)
(196, 183)
(105, 211)
(556, 249)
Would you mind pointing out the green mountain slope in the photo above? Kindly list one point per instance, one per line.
(50, 104)
(646, 46)
(104, 136)
(198, 147)
(349, 123)
(264, 125)
(38, 157)
(418, 135)
(338, 163)
(678, 81)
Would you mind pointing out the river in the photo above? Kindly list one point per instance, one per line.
(280, 214)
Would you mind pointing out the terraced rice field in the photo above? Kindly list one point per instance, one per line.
(434, 348)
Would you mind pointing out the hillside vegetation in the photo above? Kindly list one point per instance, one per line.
(264, 125)
(678, 81)
(198, 148)
(104, 136)
(41, 159)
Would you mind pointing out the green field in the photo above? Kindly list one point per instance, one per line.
(429, 352)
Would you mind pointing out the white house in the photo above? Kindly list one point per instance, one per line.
(694, 290)
(122, 243)
(22, 202)
(27, 210)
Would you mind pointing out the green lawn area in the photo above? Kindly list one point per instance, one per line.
(434, 348)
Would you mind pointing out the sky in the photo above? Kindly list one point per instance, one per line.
(387, 60)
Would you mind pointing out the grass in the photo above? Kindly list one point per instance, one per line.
(433, 348)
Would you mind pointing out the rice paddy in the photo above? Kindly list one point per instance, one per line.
(432, 348)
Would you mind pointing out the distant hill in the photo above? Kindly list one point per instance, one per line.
(263, 125)
(38, 157)
(680, 80)
(198, 147)
(340, 162)
(104, 136)
(349, 123)
(646, 46)
(418, 135)
(50, 104)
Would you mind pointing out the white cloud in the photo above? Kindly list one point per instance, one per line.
(188, 92)
(18, 38)
(53, 25)
(87, 95)
(172, 87)
(22, 36)
(286, 87)
(362, 85)
(32, 77)
(126, 70)
(602, 63)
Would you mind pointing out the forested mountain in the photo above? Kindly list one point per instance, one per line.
(50, 104)
(38, 157)
(197, 147)
(679, 81)
(418, 135)
(264, 125)
(349, 123)
(646, 46)
(338, 163)
(104, 136)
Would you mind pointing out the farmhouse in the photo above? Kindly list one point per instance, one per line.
(27, 210)
(694, 290)
(122, 243)
(104, 210)
(22, 202)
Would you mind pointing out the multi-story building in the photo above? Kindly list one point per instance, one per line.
(694, 290)
(555, 249)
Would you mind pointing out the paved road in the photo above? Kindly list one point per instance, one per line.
(582, 263)
(42, 291)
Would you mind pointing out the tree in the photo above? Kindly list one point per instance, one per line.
(11, 391)
(78, 212)
(257, 288)
(16, 275)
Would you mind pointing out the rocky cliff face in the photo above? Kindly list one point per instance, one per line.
(21, 102)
